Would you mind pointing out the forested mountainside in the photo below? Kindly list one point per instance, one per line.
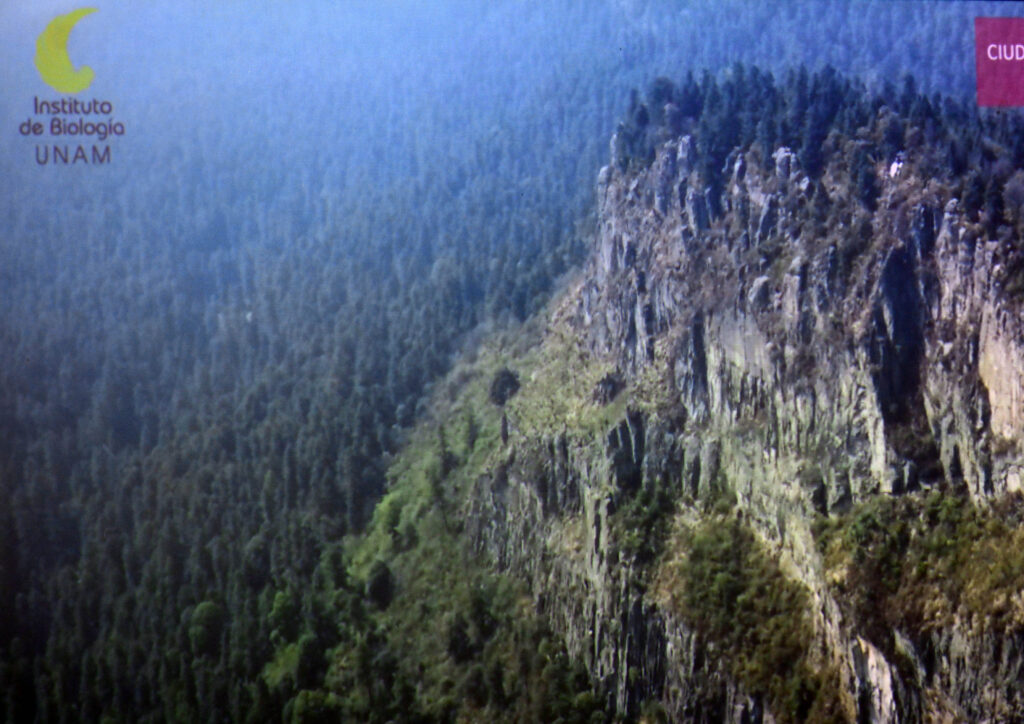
(212, 351)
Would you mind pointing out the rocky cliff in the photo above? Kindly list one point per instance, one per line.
(838, 383)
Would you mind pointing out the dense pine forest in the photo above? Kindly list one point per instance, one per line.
(212, 350)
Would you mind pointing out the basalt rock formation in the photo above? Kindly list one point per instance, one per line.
(821, 374)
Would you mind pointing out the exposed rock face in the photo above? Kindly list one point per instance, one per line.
(808, 364)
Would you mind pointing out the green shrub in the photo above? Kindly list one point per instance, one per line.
(206, 628)
(504, 385)
(913, 563)
(285, 615)
(316, 707)
(380, 587)
(736, 597)
(474, 687)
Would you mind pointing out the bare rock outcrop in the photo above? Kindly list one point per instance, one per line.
(806, 365)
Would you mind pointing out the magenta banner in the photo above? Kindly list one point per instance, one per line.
(999, 59)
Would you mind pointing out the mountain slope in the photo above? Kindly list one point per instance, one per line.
(763, 460)
(206, 370)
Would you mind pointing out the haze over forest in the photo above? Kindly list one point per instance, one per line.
(212, 347)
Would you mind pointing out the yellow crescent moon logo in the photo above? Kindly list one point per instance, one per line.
(52, 60)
